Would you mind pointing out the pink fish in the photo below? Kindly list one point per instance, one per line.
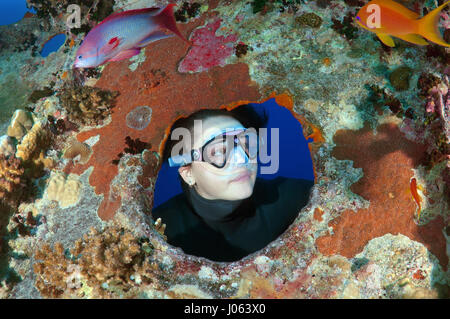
(122, 35)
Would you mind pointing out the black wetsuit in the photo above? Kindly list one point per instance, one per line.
(223, 230)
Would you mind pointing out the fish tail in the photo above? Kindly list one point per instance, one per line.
(428, 26)
(166, 20)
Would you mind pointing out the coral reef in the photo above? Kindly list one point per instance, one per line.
(12, 182)
(7, 146)
(379, 156)
(21, 123)
(64, 190)
(87, 105)
(106, 264)
(187, 11)
(376, 224)
(32, 149)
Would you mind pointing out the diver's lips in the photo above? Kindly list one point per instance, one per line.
(242, 177)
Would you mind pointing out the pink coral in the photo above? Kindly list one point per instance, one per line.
(208, 50)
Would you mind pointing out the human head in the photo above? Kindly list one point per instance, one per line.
(211, 182)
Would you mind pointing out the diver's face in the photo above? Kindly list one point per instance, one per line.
(234, 181)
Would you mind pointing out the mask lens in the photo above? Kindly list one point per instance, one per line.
(216, 151)
(249, 143)
(219, 150)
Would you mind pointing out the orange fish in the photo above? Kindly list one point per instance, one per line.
(415, 194)
(64, 75)
(72, 43)
(387, 18)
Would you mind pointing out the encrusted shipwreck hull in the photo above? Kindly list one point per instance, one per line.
(87, 231)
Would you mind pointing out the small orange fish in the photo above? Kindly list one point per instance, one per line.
(72, 43)
(64, 75)
(387, 18)
(415, 194)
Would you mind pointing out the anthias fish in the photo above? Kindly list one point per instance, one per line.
(415, 194)
(387, 18)
(123, 35)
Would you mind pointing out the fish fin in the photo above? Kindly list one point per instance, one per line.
(128, 13)
(166, 19)
(413, 38)
(387, 40)
(428, 26)
(125, 54)
(154, 36)
(397, 7)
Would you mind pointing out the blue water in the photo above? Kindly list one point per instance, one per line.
(294, 159)
(12, 11)
(53, 44)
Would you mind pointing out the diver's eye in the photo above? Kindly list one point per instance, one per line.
(80, 57)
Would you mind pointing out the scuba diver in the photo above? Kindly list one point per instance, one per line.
(225, 212)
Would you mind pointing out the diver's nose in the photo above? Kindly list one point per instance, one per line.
(239, 156)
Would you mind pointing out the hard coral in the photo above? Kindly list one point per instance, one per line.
(309, 19)
(187, 11)
(12, 181)
(87, 105)
(21, 123)
(426, 82)
(64, 190)
(32, 151)
(106, 264)
(33, 143)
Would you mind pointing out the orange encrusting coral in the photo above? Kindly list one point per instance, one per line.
(415, 194)
(318, 213)
(387, 160)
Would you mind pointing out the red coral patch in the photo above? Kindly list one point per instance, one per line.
(387, 159)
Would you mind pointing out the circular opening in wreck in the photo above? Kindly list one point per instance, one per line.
(210, 213)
